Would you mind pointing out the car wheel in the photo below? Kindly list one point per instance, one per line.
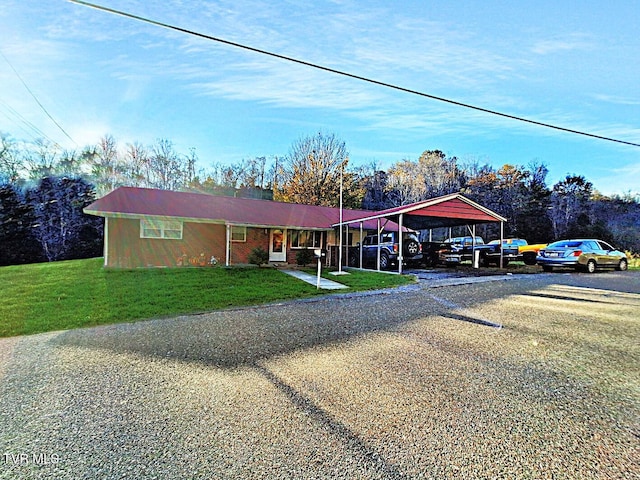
(591, 266)
(384, 260)
(623, 265)
(412, 248)
(529, 259)
(547, 268)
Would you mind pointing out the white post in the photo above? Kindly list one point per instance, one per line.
(106, 242)
(378, 253)
(361, 240)
(476, 261)
(341, 226)
(400, 244)
(228, 248)
(501, 245)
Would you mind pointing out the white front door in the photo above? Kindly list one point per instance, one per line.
(278, 245)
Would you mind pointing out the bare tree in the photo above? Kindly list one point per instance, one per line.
(60, 225)
(167, 172)
(137, 165)
(191, 162)
(570, 204)
(312, 171)
(433, 175)
(405, 183)
(41, 159)
(106, 166)
(11, 164)
(440, 174)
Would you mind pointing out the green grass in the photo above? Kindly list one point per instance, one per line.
(363, 280)
(79, 293)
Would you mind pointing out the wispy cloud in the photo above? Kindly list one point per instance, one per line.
(617, 100)
(290, 86)
(565, 43)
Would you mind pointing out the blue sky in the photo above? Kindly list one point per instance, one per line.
(575, 64)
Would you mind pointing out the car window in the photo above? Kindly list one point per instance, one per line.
(605, 245)
(565, 244)
(387, 237)
(593, 245)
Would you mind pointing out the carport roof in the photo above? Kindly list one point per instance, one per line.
(446, 211)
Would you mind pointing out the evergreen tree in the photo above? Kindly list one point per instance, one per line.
(62, 228)
(17, 243)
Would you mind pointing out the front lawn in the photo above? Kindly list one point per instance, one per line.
(63, 295)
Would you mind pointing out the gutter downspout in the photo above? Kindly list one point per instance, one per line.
(228, 246)
(105, 247)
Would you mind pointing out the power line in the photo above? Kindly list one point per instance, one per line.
(350, 75)
(14, 116)
(36, 99)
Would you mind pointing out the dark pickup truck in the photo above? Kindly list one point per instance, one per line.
(455, 250)
(388, 249)
(451, 251)
(510, 250)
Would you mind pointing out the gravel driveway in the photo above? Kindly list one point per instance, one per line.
(533, 376)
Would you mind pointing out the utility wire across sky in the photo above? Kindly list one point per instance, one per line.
(42, 107)
(349, 75)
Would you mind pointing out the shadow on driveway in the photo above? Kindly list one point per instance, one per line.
(237, 337)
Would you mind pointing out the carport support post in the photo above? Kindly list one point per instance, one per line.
(501, 245)
(473, 247)
(378, 237)
(400, 257)
(361, 240)
(341, 229)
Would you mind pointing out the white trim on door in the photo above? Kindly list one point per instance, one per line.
(278, 245)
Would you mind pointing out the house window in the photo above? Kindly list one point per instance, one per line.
(306, 239)
(153, 228)
(238, 234)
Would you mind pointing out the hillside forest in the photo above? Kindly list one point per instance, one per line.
(43, 189)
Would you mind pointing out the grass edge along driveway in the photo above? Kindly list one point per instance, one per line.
(54, 296)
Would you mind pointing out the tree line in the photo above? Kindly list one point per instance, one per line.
(43, 189)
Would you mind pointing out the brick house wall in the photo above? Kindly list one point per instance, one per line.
(240, 251)
(126, 249)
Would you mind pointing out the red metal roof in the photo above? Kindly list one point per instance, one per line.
(448, 210)
(138, 202)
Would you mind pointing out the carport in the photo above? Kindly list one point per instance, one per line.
(453, 210)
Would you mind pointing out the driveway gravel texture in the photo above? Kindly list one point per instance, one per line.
(522, 376)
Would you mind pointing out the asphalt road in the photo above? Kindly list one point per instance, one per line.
(532, 376)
